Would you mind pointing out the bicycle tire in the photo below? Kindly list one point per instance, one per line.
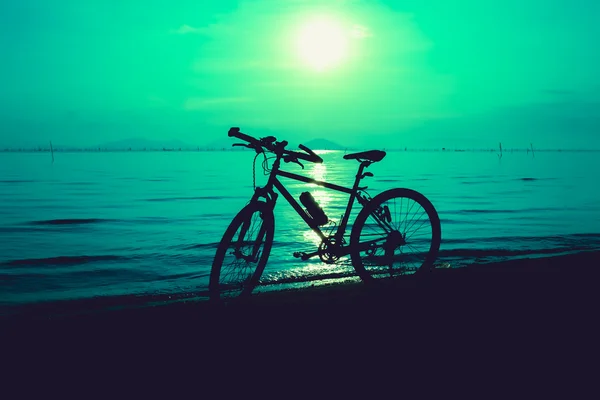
(238, 280)
(367, 263)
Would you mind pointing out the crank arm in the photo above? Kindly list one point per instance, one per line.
(305, 256)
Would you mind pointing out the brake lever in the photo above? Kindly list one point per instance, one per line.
(294, 160)
(257, 149)
(311, 153)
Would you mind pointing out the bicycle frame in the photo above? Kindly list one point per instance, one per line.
(268, 193)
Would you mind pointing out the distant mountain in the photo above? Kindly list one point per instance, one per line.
(323, 144)
(141, 143)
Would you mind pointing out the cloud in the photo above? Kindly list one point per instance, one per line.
(269, 30)
(211, 30)
(248, 65)
(360, 32)
(200, 103)
(243, 64)
(156, 100)
(560, 124)
(187, 29)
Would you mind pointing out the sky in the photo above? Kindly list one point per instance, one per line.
(362, 73)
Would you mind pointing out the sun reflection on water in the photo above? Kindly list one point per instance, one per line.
(311, 237)
(318, 172)
(321, 195)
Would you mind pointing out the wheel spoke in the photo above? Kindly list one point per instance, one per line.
(244, 250)
(407, 226)
(395, 214)
(411, 239)
(408, 212)
(413, 224)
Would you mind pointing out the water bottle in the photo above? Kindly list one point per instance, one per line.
(313, 209)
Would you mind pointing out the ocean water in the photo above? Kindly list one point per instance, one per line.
(95, 225)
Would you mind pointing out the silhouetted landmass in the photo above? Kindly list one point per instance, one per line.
(138, 144)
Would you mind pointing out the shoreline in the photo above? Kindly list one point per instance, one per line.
(549, 278)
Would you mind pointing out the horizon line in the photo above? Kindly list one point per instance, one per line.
(207, 148)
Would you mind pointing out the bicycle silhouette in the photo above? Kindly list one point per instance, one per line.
(395, 233)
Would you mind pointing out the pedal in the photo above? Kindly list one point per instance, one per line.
(305, 256)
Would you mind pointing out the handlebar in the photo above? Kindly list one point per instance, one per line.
(235, 132)
(269, 143)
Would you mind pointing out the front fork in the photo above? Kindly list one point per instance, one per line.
(270, 198)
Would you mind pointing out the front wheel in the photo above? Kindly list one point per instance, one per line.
(242, 253)
(398, 232)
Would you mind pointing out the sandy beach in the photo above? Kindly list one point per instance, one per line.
(511, 292)
(531, 317)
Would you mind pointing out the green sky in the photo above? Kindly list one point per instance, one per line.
(413, 73)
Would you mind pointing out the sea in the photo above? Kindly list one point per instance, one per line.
(144, 226)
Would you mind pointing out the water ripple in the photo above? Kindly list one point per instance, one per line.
(71, 221)
(62, 260)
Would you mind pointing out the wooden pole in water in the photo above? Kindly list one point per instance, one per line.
(500, 155)
(52, 151)
(532, 153)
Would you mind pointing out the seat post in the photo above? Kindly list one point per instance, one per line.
(361, 168)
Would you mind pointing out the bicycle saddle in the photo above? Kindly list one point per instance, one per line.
(371, 155)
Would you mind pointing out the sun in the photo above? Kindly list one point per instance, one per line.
(322, 43)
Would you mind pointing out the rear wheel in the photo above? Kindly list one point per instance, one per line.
(242, 253)
(397, 233)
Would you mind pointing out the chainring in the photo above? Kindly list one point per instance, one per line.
(327, 251)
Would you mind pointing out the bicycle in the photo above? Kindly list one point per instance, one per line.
(379, 247)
